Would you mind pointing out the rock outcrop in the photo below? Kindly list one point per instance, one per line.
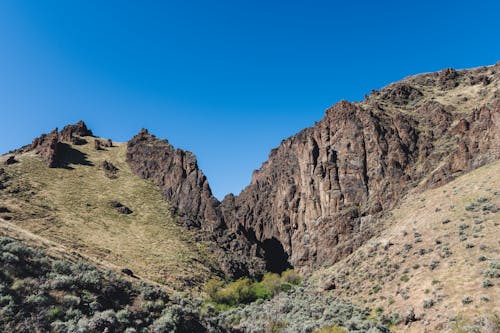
(185, 186)
(3, 179)
(69, 132)
(110, 170)
(318, 196)
(176, 172)
(10, 160)
(49, 146)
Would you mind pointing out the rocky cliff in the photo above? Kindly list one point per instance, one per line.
(51, 146)
(318, 196)
(185, 186)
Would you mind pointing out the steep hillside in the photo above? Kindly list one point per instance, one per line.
(439, 254)
(39, 293)
(101, 211)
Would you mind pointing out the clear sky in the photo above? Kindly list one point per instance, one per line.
(227, 80)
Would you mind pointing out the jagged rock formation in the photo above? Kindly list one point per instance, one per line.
(69, 132)
(318, 195)
(176, 172)
(100, 145)
(110, 170)
(49, 146)
(185, 186)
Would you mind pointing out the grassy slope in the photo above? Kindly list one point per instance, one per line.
(68, 209)
(375, 275)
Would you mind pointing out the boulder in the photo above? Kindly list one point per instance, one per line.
(120, 207)
(110, 170)
(10, 160)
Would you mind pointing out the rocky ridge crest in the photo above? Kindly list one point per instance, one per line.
(318, 196)
(49, 146)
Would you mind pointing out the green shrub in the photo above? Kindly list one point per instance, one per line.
(487, 284)
(272, 281)
(261, 291)
(331, 329)
(212, 287)
(467, 300)
(428, 303)
(495, 265)
(291, 277)
(62, 267)
(286, 287)
(55, 312)
(244, 290)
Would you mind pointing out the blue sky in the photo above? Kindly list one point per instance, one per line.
(227, 80)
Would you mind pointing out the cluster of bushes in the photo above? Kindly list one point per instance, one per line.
(302, 309)
(42, 294)
(245, 291)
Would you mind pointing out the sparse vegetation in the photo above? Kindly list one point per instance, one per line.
(467, 300)
(41, 294)
(71, 208)
(428, 303)
(331, 329)
(404, 278)
(487, 284)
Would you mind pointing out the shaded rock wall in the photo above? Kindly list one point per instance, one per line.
(320, 193)
(50, 146)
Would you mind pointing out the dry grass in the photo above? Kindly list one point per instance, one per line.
(70, 207)
(386, 273)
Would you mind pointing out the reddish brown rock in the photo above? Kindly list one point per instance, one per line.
(318, 196)
(401, 93)
(110, 170)
(69, 132)
(185, 186)
(176, 172)
(47, 146)
(101, 144)
(447, 78)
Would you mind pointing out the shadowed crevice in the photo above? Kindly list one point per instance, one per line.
(275, 256)
(67, 155)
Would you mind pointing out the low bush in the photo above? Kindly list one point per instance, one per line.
(41, 294)
(245, 290)
(331, 329)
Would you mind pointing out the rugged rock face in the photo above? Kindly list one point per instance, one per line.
(318, 196)
(69, 132)
(49, 146)
(176, 172)
(185, 186)
(110, 170)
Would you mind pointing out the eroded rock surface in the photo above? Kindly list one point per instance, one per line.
(49, 146)
(318, 196)
(185, 186)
